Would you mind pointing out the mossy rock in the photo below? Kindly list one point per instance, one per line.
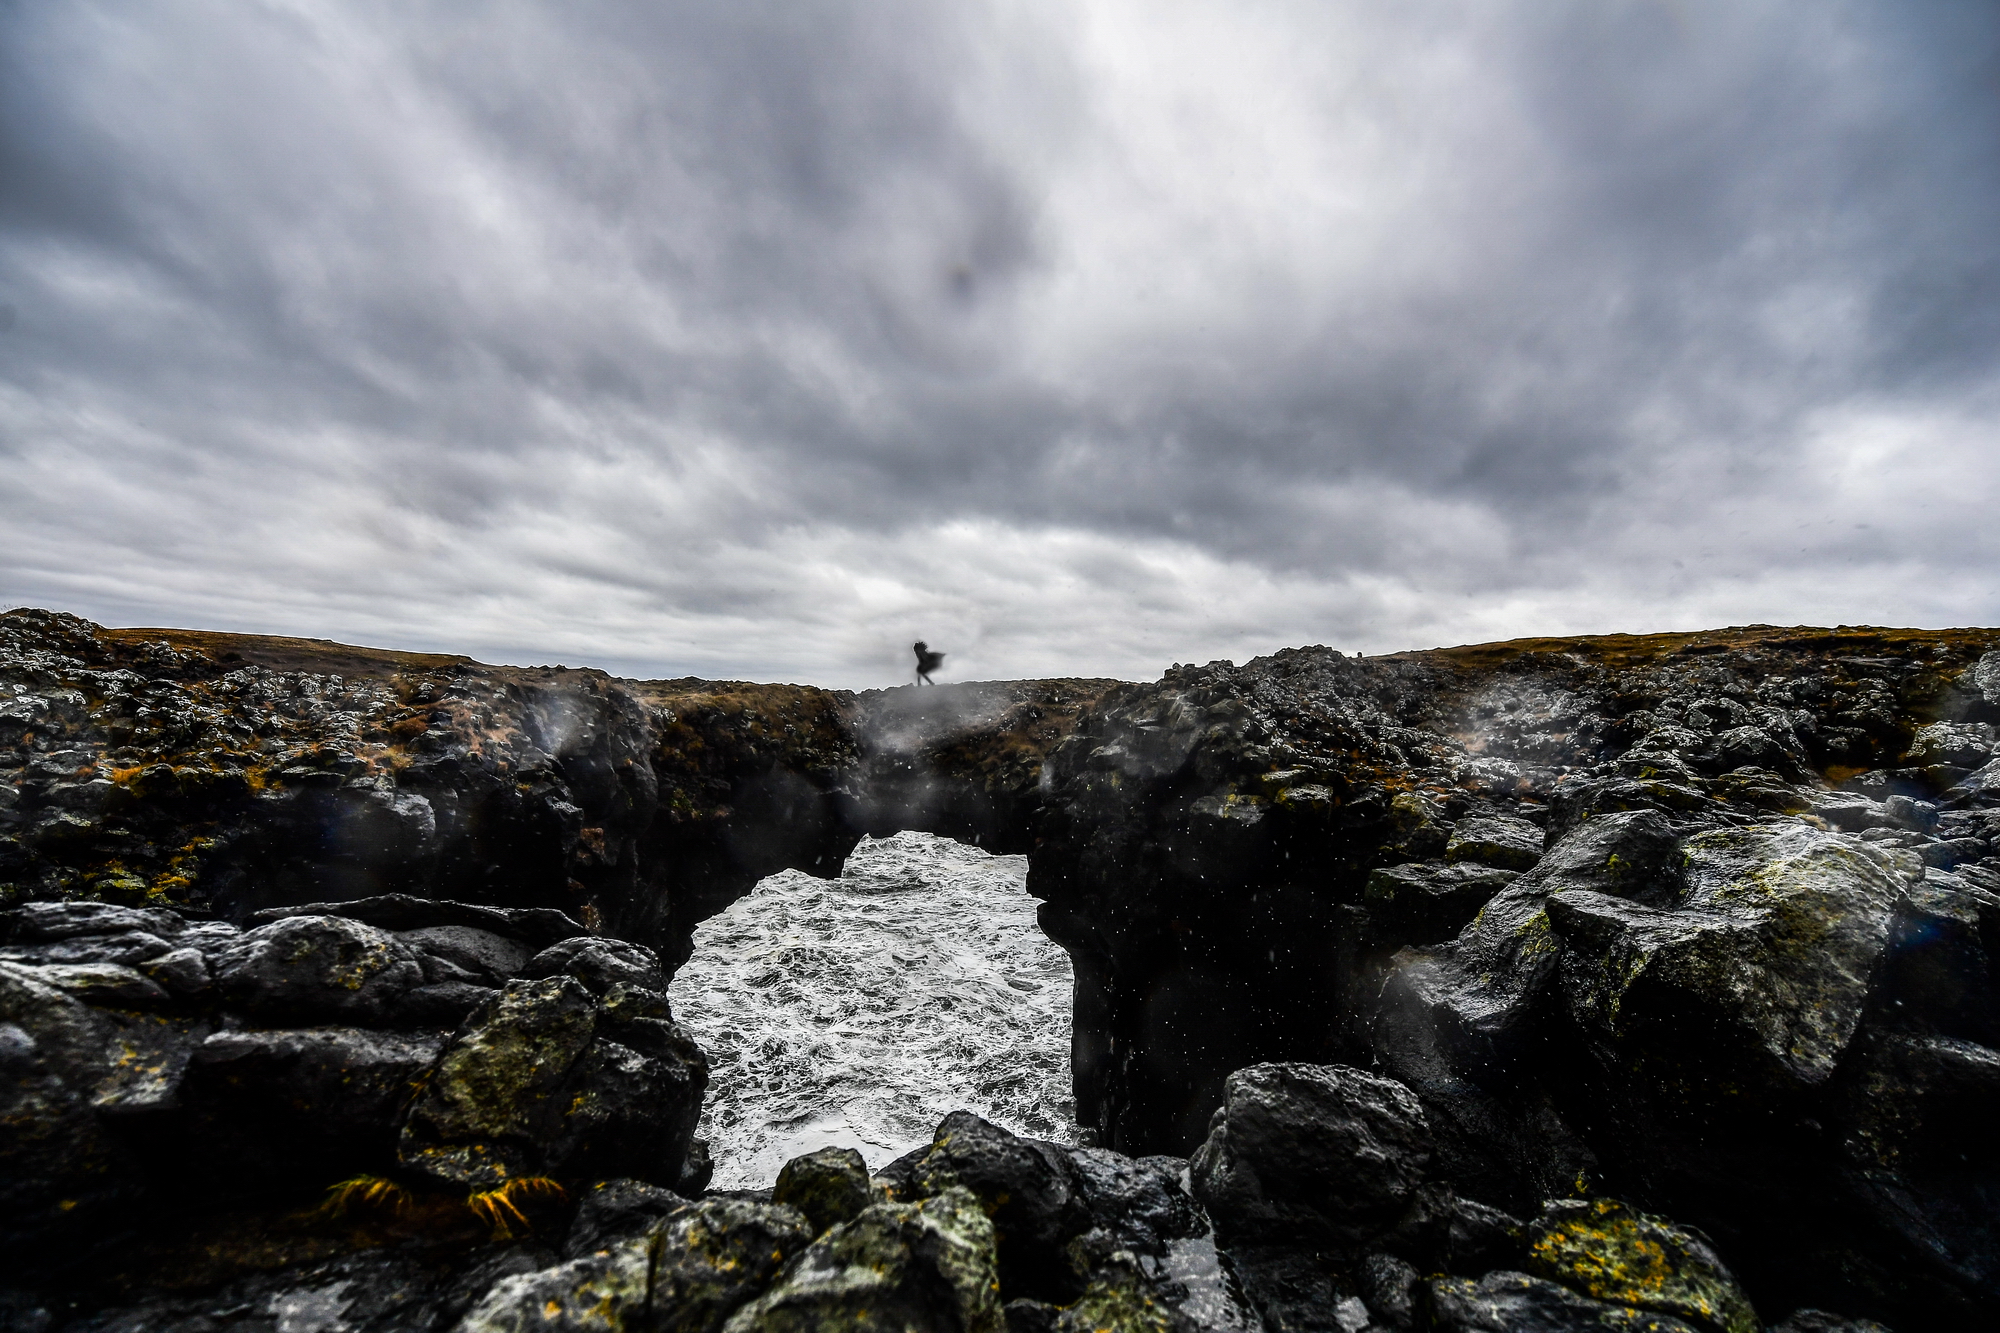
(1615, 1253)
(1119, 1300)
(829, 1186)
(897, 1268)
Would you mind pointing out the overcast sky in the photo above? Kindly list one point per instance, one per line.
(759, 339)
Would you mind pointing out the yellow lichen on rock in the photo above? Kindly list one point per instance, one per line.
(1612, 1252)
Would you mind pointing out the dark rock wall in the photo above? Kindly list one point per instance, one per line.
(230, 773)
(1703, 920)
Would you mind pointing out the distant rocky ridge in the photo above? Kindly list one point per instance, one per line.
(1603, 983)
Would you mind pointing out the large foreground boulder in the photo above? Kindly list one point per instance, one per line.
(548, 1080)
(1027, 1187)
(1311, 1154)
(1333, 1210)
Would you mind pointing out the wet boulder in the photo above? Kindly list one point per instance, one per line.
(1627, 853)
(1758, 972)
(1417, 903)
(1963, 744)
(1506, 1302)
(616, 1210)
(1148, 1254)
(1393, 1290)
(1575, 801)
(1617, 1254)
(466, 953)
(128, 947)
(376, 1290)
(535, 927)
(1752, 788)
(686, 1273)
(926, 1267)
(39, 922)
(1472, 1237)
(600, 963)
(1443, 1231)
(280, 1104)
(1913, 1116)
(829, 1186)
(182, 973)
(317, 969)
(715, 1255)
(1981, 787)
(442, 1005)
(547, 1079)
(1754, 747)
(488, 1112)
(1202, 1285)
(635, 1098)
(1029, 1189)
(58, 1163)
(103, 984)
(1136, 1202)
(606, 1289)
(1910, 813)
(1311, 1154)
(1122, 1298)
(1851, 812)
(1482, 992)
(1943, 963)
(1502, 841)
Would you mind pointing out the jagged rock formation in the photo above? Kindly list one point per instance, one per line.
(233, 773)
(1619, 982)
(1706, 921)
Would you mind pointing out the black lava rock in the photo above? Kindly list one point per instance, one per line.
(1027, 1187)
(1311, 1154)
(830, 1186)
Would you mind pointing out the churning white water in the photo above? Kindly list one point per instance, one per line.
(859, 1011)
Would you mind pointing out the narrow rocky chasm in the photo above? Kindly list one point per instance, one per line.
(1549, 984)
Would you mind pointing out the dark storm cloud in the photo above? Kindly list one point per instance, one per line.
(762, 338)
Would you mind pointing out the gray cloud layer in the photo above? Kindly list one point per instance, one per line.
(759, 339)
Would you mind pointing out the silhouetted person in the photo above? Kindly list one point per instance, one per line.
(927, 662)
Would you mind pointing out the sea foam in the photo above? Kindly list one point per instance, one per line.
(858, 1011)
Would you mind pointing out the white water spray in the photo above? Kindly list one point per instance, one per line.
(859, 1011)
